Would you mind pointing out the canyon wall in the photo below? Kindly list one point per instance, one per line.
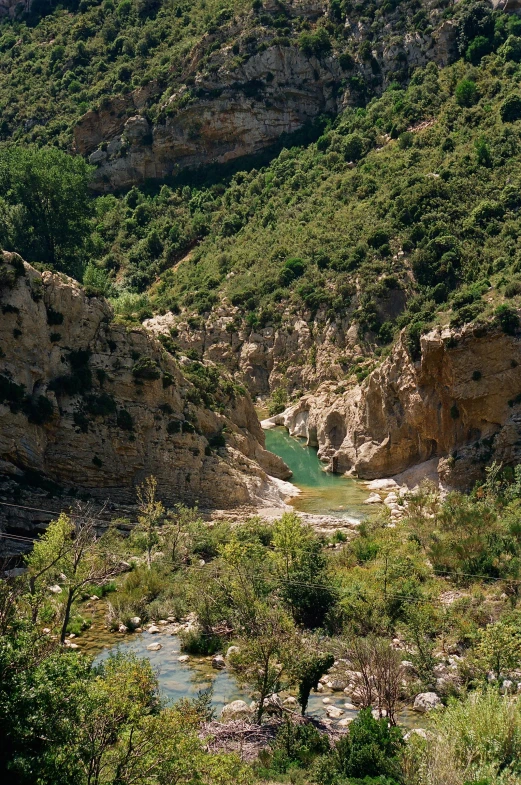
(459, 406)
(231, 106)
(94, 406)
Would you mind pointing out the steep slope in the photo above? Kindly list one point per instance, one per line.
(95, 407)
(457, 406)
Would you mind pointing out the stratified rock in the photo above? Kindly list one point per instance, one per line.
(98, 406)
(433, 413)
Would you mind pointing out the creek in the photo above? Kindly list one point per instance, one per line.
(321, 493)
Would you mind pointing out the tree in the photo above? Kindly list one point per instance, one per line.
(72, 547)
(379, 675)
(267, 648)
(305, 583)
(510, 109)
(466, 93)
(152, 515)
(48, 206)
(43, 563)
(499, 645)
(311, 665)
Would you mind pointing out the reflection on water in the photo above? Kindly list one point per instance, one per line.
(180, 680)
(322, 493)
(184, 680)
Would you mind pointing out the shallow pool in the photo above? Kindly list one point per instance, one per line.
(322, 493)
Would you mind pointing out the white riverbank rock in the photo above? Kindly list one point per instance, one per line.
(153, 630)
(236, 710)
(334, 712)
(426, 701)
(232, 650)
(154, 647)
(218, 662)
(135, 621)
(183, 658)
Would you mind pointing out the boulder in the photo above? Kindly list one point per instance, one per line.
(232, 650)
(426, 701)
(236, 710)
(135, 621)
(154, 646)
(218, 662)
(183, 658)
(153, 630)
(334, 712)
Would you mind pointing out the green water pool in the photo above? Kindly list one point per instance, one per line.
(322, 493)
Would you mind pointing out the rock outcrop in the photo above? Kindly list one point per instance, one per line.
(95, 406)
(459, 406)
(240, 105)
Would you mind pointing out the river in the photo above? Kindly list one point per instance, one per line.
(321, 493)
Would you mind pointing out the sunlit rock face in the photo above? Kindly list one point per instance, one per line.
(99, 406)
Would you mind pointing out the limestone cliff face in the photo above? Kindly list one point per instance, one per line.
(297, 355)
(95, 406)
(459, 405)
(237, 106)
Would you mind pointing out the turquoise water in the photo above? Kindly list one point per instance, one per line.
(322, 493)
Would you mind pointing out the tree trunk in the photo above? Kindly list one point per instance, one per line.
(68, 606)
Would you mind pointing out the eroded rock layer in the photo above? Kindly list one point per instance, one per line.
(460, 405)
(95, 406)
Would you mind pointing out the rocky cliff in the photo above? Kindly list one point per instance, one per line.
(459, 406)
(95, 407)
(246, 86)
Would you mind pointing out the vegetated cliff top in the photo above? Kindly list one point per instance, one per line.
(55, 65)
(403, 212)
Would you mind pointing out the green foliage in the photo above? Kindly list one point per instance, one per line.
(371, 749)
(46, 206)
(146, 368)
(466, 93)
(477, 739)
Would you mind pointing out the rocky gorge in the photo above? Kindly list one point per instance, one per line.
(93, 407)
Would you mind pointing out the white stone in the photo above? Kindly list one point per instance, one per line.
(122, 628)
(373, 498)
(135, 621)
(232, 650)
(334, 712)
(345, 722)
(153, 630)
(426, 701)
(218, 662)
(154, 646)
(183, 658)
(236, 710)
(55, 589)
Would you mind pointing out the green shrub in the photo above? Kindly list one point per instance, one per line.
(507, 318)
(146, 368)
(510, 109)
(466, 93)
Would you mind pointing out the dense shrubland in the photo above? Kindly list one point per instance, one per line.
(404, 212)
(442, 584)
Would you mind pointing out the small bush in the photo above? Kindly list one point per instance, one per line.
(507, 318)
(466, 93)
(146, 368)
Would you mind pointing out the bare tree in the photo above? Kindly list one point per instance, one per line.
(379, 675)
